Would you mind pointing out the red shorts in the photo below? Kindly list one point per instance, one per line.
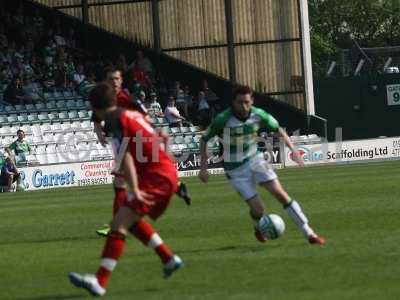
(160, 189)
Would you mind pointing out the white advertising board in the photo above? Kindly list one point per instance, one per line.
(67, 175)
(348, 151)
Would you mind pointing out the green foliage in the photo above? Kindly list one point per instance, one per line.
(47, 234)
(372, 23)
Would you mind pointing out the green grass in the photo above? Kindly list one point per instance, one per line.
(46, 234)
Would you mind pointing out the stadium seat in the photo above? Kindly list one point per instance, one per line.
(53, 116)
(73, 114)
(3, 119)
(40, 106)
(51, 105)
(29, 107)
(22, 118)
(48, 138)
(56, 127)
(58, 95)
(83, 114)
(59, 138)
(9, 108)
(32, 117)
(37, 140)
(68, 95)
(179, 139)
(197, 138)
(76, 126)
(86, 125)
(188, 139)
(19, 107)
(66, 127)
(175, 130)
(63, 115)
(12, 119)
(185, 130)
(43, 117)
(61, 104)
(71, 104)
(45, 127)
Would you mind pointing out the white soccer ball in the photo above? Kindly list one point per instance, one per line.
(271, 226)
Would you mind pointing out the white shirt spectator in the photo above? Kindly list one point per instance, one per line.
(79, 78)
(203, 104)
(170, 112)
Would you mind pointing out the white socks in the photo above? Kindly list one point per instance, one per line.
(293, 209)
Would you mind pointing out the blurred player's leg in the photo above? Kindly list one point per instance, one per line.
(294, 211)
(120, 195)
(145, 233)
(256, 213)
(113, 249)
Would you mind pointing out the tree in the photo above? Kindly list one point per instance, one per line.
(336, 23)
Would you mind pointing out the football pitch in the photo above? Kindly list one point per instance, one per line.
(46, 234)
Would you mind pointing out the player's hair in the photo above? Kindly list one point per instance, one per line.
(111, 70)
(20, 130)
(102, 96)
(242, 90)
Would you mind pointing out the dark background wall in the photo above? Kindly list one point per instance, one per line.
(358, 105)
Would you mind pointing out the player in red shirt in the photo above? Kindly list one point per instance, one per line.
(124, 100)
(152, 178)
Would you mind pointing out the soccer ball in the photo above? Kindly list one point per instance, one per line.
(271, 226)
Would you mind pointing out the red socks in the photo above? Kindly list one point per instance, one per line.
(112, 251)
(145, 233)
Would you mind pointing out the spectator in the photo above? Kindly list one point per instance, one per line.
(143, 63)
(19, 146)
(121, 64)
(9, 174)
(59, 39)
(172, 114)
(180, 101)
(209, 94)
(203, 110)
(14, 93)
(139, 76)
(79, 76)
(32, 93)
(153, 105)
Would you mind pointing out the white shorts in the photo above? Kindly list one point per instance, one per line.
(246, 178)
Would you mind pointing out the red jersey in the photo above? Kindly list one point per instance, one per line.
(124, 100)
(144, 143)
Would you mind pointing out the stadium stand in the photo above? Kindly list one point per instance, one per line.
(57, 125)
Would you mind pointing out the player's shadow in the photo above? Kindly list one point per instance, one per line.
(223, 249)
(52, 297)
(55, 240)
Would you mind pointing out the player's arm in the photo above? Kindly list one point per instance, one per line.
(296, 156)
(272, 124)
(203, 174)
(98, 129)
(215, 128)
(131, 177)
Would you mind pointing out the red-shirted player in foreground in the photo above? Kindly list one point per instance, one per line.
(126, 101)
(152, 178)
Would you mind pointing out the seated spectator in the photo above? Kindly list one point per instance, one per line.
(209, 94)
(121, 64)
(141, 77)
(180, 101)
(153, 105)
(79, 76)
(203, 110)
(59, 39)
(143, 63)
(14, 93)
(9, 174)
(87, 85)
(172, 114)
(19, 146)
(32, 93)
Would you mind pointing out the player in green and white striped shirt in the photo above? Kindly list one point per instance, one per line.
(245, 166)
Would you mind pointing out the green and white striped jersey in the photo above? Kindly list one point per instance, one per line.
(239, 138)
